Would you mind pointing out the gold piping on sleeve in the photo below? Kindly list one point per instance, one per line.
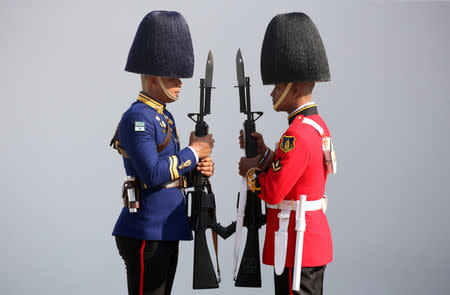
(170, 168)
(175, 166)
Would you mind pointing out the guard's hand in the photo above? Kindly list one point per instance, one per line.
(206, 166)
(246, 164)
(202, 145)
(261, 146)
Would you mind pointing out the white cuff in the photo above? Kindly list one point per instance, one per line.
(195, 154)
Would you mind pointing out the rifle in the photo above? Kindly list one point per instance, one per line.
(203, 205)
(249, 274)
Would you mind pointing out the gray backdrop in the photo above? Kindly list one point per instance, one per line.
(64, 90)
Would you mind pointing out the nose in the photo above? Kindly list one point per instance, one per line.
(273, 93)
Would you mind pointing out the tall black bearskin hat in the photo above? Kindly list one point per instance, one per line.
(162, 46)
(293, 51)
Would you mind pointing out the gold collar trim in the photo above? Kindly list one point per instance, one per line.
(300, 110)
(151, 102)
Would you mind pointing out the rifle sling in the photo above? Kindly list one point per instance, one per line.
(216, 249)
(214, 237)
(115, 143)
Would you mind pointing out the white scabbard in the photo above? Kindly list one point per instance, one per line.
(239, 224)
(281, 239)
(300, 227)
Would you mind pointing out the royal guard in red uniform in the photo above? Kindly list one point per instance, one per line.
(291, 179)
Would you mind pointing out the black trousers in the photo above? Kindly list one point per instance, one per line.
(150, 265)
(311, 282)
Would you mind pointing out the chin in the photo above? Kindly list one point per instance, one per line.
(279, 109)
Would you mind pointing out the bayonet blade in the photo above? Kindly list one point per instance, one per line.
(241, 81)
(240, 69)
(209, 70)
(208, 81)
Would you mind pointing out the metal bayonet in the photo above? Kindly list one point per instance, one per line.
(241, 81)
(240, 69)
(209, 69)
(208, 81)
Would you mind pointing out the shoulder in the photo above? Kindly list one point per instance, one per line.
(139, 112)
(298, 128)
(300, 134)
(293, 137)
(307, 130)
(138, 117)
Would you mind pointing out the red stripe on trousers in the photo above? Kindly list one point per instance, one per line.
(141, 282)
(290, 281)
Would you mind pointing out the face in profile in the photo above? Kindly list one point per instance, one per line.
(277, 91)
(173, 85)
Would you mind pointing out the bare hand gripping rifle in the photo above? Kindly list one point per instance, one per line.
(249, 205)
(203, 205)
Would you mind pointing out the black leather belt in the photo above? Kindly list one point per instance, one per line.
(177, 183)
(174, 184)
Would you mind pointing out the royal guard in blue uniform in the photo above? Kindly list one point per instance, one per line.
(291, 179)
(154, 218)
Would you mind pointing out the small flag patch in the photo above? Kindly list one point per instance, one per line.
(139, 126)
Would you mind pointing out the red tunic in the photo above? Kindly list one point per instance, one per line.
(300, 171)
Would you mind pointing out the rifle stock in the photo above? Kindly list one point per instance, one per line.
(204, 274)
(224, 232)
(249, 274)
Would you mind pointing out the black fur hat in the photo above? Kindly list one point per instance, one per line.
(162, 46)
(293, 51)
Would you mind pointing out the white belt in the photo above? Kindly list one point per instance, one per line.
(310, 205)
(281, 236)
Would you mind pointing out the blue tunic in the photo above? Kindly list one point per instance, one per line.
(162, 212)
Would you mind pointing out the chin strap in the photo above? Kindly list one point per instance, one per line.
(285, 92)
(169, 95)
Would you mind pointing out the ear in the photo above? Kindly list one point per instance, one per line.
(295, 89)
(152, 80)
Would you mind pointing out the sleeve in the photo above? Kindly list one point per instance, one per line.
(195, 154)
(267, 160)
(290, 161)
(140, 145)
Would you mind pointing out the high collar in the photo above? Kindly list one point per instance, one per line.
(305, 110)
(154, 104)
